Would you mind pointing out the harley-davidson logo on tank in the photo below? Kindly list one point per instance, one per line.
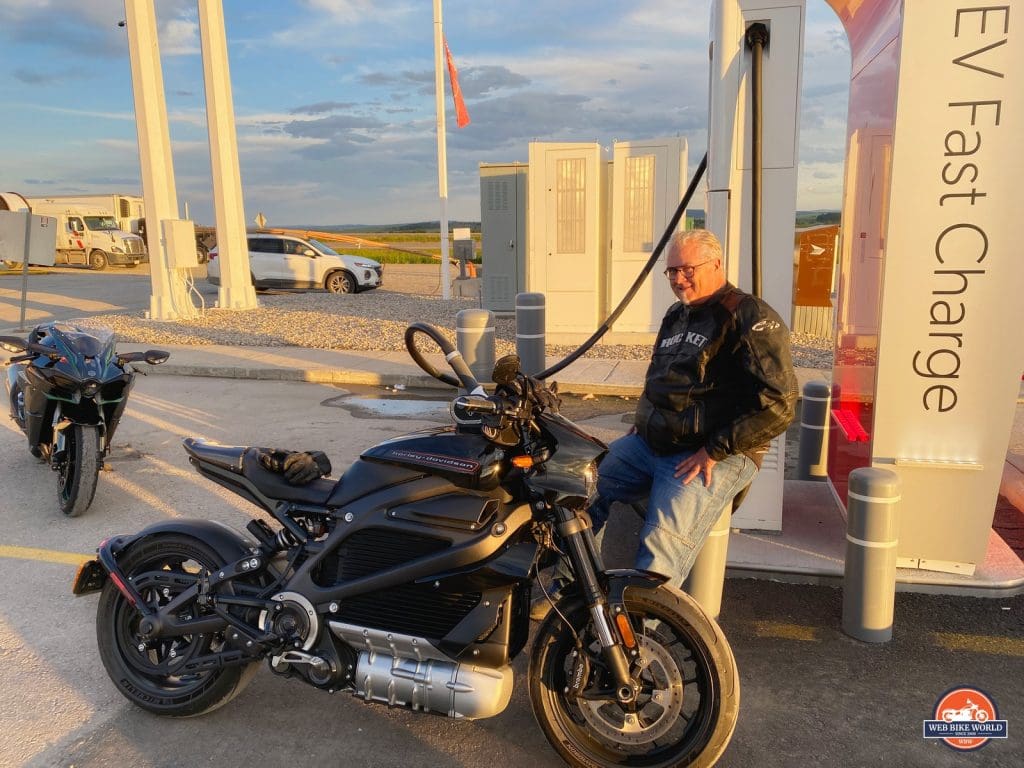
(452, 463)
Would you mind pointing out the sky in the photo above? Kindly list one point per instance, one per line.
(334, 99)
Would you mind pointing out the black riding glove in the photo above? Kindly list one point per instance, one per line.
(304, 468)
(272, 459)
(298, 468)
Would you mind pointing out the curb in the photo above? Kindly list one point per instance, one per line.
(343, 376)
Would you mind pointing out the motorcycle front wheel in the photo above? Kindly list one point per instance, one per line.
(151, 673)
(689, 696)
(80, 469)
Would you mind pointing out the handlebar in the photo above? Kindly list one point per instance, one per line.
(478, 404)
(451, 354)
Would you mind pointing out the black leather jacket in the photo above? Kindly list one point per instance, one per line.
(721, 377)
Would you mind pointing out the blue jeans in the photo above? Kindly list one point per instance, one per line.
(679, 517)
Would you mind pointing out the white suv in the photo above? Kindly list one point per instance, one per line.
(280, 261)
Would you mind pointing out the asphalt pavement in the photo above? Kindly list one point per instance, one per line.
(811, 696)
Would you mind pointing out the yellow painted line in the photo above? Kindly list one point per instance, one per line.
(999, 646)
(43, 555)
(783, 631)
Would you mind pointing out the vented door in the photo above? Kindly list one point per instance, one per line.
(566, 192)
(502, 213)
(646, 185)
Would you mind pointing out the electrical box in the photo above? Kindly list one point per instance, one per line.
(42, 238)
(180, 239)
(503, 233)
(462, 239)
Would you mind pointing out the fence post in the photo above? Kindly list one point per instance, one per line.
(474, 337)
(530, 321)
(869, 574)
(815, 407)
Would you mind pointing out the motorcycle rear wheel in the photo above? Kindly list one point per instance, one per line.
(150, 674)
(690, 692)
(80, 471)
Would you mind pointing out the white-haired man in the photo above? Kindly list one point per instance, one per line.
(719, 387)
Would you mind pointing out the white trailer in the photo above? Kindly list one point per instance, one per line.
(129, 210)
(89, 235)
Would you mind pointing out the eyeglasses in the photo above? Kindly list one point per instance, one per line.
(687, 270)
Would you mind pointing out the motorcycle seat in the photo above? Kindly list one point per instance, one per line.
(244, 460)
(274, 485)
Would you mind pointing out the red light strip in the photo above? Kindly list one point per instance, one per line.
(848, 422)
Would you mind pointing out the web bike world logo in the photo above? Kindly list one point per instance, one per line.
(965, 719)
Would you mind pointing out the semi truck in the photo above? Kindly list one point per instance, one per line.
(90, 235)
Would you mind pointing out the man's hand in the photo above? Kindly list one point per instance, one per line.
(693, 465)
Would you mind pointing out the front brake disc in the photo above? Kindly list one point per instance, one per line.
(657, 708)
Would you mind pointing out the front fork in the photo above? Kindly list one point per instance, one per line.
(618, 642)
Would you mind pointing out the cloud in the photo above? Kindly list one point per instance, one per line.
(30, 77)
(338, 135)
(179, 37)
(510, 122)
(482, 80)
(331, 127)
(378, 78)
(111, 181)
(322, 107)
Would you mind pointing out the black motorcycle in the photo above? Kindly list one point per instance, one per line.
(408, 582)
(67, 390)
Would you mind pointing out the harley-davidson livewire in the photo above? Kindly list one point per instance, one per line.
(67, 391)
(408, 582)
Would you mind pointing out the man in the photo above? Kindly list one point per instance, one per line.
(719, 387)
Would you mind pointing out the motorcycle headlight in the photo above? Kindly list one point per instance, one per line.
(90, 388)
(590, 479)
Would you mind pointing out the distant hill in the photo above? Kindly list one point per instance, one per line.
(816, 218)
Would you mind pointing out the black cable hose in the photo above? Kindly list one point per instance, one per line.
(607, 324)
(757, 39)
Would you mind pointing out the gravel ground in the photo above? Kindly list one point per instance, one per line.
(375, 320)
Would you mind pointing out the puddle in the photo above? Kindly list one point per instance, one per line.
(377, 403)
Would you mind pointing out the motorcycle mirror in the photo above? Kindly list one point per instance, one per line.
(505, 369)
(12, 343)
(155, 356)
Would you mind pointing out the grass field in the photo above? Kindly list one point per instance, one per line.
(417, 247)
(408, 237)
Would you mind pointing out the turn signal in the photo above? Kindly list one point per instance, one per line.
(523, 462)
(626, 631)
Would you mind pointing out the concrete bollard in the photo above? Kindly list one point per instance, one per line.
(869, 576)
(707, 577)
(815, 407)
(530, 323)
(474, 337)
